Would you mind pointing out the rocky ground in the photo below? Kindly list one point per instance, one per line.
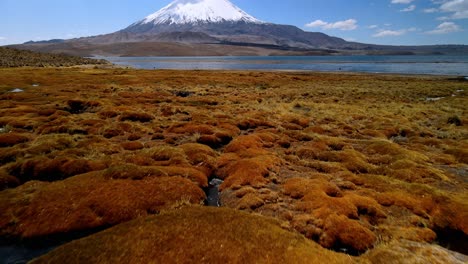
(349, 167)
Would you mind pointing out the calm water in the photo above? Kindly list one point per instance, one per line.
(436, 65)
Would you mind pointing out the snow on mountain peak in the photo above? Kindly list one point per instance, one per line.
(199, 11)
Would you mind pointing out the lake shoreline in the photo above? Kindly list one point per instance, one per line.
(427, 65)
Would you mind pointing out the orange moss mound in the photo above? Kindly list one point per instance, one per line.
(340, 230)
(46, 169)
(195, 235)
(214, 134)
(134, 172)
(11, 139)
(88, 201)
(341, 218)
(134, 145)
(136, 117)
(252, 172)
(245, 162)
(403, 251)
(201, 157)
(442, 211)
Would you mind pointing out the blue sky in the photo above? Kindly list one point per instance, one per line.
(395, 22)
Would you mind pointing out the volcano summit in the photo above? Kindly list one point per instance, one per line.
(198, 11)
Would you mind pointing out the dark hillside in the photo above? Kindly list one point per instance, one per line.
(10, 57)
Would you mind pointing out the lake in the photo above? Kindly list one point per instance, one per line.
(430, 64)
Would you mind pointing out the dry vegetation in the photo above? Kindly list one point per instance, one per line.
(10, 57)
(373, 164)
(246, 239)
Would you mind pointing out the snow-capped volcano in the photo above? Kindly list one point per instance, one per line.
(199, 11)
(185, 27)
(216, 21)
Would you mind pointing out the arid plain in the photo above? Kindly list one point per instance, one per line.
(326, 167)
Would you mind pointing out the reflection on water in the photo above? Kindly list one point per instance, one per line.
(21, 254)
(438, 65)
(212, 193)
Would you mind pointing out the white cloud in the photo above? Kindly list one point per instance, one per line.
(393, 33)
(409, 8)
(389, 33)
(431, 10)
(349, 24)
(373, 26)
(458, 8)
(401, 1)
(438, 2)
(445, 28)
(3, 38)
(317, 23)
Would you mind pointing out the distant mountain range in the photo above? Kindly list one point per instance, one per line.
(217, 27)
